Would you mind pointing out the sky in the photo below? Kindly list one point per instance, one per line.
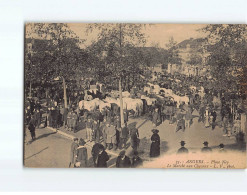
(155, 33)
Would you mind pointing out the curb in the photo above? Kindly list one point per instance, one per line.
(71, 137)
(62, 133)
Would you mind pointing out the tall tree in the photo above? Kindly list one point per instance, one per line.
(173, 53)
(227, 47)
(63, 49)
(116, 40)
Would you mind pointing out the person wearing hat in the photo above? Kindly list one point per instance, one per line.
(73, 151)
(102, 157)
(123, 161)
(206, 149)
(136, 160)
(110, 135)
(222, 148)
(182, 150)
(81, 156)
(155, 145)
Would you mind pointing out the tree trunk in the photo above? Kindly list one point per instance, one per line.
(121, 103)
(65, 94)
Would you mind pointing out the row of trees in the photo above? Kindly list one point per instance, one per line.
(227, 59)
(118, 52)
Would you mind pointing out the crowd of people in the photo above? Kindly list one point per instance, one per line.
(103, 126)
(79, 156)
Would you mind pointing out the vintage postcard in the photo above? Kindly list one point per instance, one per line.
(123, 95)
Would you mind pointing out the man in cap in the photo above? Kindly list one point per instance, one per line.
(221, 148)
(73, 152)
(206, 149)
(182, 150)
(123, 161)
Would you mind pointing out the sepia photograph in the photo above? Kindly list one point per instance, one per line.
(135, 95)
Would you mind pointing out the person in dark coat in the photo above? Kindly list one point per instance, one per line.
(95, 152)
(38, 106)
(102, 158)
(123, 161)
(31, 127)
(81, 157)
(155, 145)
(136, 160)
(182, 150)
(206, 149)
(73, 152)
(117, 124)
(32, 105)
(53, 117)
(214, 115)
(28, 115)
(96, 130)
(126, 116)
(37, 116)
(124, 136)
(134, 138)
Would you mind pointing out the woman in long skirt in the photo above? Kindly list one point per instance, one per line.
(155, 145)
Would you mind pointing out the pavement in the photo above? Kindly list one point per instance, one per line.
(52, 147)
